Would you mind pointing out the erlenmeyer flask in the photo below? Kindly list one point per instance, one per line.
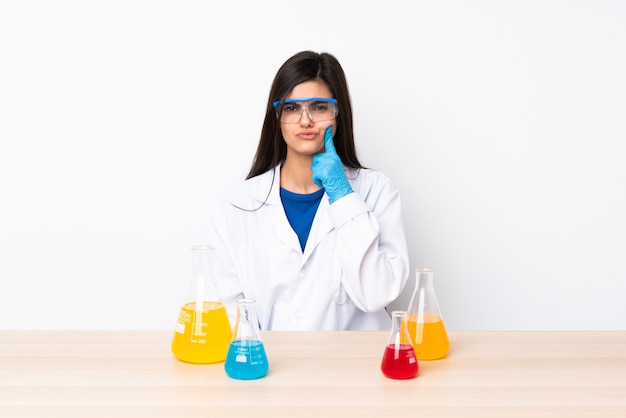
(399, 360)
(246, 357)
(426, 326)
(202, 332)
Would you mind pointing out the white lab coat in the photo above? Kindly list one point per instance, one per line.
(355, 261)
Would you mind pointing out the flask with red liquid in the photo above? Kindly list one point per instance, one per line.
(399, 360)
(425, 322)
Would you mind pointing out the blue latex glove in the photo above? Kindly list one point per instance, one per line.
(328, 170)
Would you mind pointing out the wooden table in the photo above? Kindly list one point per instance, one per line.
(319, 374)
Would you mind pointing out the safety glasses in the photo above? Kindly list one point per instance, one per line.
(318, 109)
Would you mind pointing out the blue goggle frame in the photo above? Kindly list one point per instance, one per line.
(305, 99)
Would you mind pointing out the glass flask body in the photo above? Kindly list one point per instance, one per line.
(399, 360)
(425, 322)
(246, 357)
(203, 332)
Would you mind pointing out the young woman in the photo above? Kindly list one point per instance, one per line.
(312, 235)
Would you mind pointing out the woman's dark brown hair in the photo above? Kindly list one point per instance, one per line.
(305, 66)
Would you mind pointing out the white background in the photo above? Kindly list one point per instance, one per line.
(501, 122)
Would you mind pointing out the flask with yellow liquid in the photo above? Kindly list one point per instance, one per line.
(203, 332)
(426, 327)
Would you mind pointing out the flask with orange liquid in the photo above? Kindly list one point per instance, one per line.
(425, 322)
(203, 331)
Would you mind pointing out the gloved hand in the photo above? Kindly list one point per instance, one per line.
(328, 170)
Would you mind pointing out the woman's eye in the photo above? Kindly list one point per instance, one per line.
(289, 108)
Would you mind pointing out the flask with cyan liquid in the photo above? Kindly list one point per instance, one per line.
(426, 326)
(203, 331)
(399, 360)
(246, 357)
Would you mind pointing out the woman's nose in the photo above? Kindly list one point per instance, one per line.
(305, 118)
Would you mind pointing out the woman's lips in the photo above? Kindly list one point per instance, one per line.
(307, 135)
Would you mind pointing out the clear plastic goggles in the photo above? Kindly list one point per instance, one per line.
(318, 109)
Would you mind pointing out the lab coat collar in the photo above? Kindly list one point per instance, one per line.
(265, 181)
(321, 226)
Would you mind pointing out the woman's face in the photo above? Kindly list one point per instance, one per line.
(306, 138)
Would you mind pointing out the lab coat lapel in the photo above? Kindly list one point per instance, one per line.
(321, 226)
(283, 231)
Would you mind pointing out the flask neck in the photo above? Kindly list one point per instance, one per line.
(399, 330)
(423, 304)
(424, 278)
(201, 259)
(247, 325)
(246, 310)
(202, 288)
(396, 319)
